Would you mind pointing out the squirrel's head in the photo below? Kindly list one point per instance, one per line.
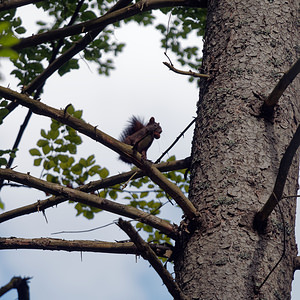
(155, 127)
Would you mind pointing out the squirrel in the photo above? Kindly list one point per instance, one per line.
(140, 135)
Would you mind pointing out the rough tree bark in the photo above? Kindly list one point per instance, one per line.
(236, 154)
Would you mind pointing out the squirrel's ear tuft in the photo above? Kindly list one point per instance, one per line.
(152, 120)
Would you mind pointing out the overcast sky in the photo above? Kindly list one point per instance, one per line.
(140, 85)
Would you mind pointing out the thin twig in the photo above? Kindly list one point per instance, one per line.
(176, 140)
(188, 73)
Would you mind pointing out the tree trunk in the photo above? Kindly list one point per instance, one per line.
(236, 155)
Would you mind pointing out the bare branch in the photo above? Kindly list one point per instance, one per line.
(80, 245)
(188, 73)
(19, 283)
(176, 140)
(148, 254)
(90, 199)
(281, 86)
(10, 4)
(286, 161)
(41, 205)
(170, 188)
(103, 21)
(115, 145)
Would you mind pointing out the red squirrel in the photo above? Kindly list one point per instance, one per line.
(140, 135)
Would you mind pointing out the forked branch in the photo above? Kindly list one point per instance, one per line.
(63, 58)
(124, 150)
(19, 283)
(89, 199)
(107, 19)
(90, 187)
(148, 254)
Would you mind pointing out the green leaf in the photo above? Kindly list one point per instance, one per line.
(35, 152)
(104, 173)
(44, 134)
(53, 134)
(51, 178)
(67, 67)
(4, 26)
(70, 109)
(144, 194)
(63, 158)
(37, 162)
(83, 162)
(77, 169)
(113, 194)
(46, 149)
(20, 30)
(55, 125)
(42, 143)
(87, 15)
(88, 214)
(103, 194)
(78, 114)
(3, 113)
(72, 148)
(90, 160)
(3, 161)
(59, 142)
(8, 40)
(3, 103)
(7, 52)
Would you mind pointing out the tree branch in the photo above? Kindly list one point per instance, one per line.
(62, 59)
(80, 245)
(41, 205)
(89, 199)
(188, 73)
(107, 19)
(10, 4)
(148, 254)
(19, 283)
(39, 89)
(286, 161)
(115, 145)
(176, 140)
(281, 86)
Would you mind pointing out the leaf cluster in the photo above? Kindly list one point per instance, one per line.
(184, 22)
(56, 153)
(56, 149)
